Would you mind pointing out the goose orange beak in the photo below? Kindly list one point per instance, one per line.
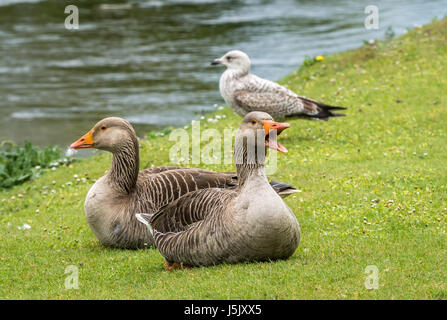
(270, 141)
(86, 141)
(278, 126)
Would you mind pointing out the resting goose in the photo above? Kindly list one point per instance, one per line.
(217, 225)
(113, 200)
(246, 92)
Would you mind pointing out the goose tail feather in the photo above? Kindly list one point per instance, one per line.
(283, 189)
(144, 218)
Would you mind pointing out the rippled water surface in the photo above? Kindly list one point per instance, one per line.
(148, 61)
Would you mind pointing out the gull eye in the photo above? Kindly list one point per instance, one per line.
(229, 58)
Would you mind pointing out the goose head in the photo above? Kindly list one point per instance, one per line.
(234, 60)
(257, 132)
(111, 134)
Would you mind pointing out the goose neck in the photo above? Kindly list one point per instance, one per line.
(249, 160)
(250, 173)
(125, 167)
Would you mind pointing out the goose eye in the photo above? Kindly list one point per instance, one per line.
(103, 128)
(254, 122)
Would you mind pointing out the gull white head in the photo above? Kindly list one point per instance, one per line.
(234, 60)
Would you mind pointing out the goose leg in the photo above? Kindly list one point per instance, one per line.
(169, 266)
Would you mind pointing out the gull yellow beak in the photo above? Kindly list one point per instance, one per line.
(86, 141)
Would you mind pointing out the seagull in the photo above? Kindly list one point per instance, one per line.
(246, 92)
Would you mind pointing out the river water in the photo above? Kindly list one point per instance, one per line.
(149, 61)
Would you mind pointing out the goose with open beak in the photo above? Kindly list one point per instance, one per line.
(218, 225)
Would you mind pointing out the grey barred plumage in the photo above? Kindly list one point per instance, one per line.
(246, 92)
(219, 225)
(113, 200)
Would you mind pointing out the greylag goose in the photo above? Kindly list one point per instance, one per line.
(246, 92)
(216, 225)
(113, 200)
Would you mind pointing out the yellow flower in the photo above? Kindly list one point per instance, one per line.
(319, 58)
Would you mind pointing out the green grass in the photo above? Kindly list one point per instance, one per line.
(373, 193)
(19, 164)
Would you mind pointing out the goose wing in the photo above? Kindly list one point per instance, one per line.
(155, 170)
(165, 186)
(190, 230)
(190, 209)
(283, 189)
(162, 185)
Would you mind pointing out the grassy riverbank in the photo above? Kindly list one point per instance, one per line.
(374, 192)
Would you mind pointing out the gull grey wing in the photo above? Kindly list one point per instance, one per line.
(282, 104)
(277, 104)
(256, 94)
